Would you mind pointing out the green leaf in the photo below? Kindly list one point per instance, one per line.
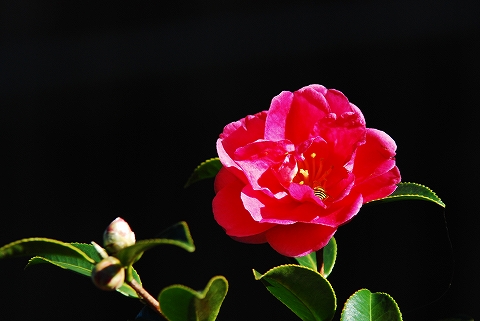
(37, 246)
(180, 303)
(178, 235)
(329, 254)
(303, 290)
(329, 257)
(309, 260)
(412, 191)
(178, 232)
(80, 266)
(207, 169)
(364, 305)
(90, 250)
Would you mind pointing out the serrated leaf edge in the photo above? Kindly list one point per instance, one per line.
(283, 265)
(86, 244)
(326, 275)
(56, 264)
(189, 181)
(310, 260)
(437, 200)
(48, 240)
(394, 302)
(206, 161)
(345, 305)
(190, 247)
(303, 267)
(198, 294)
(81, 268)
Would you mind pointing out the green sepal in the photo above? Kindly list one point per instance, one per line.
(364, 305)
(207, 169)
(82, 267)
(303, 290)
(411, 191)
(181, 303)
(178, 235)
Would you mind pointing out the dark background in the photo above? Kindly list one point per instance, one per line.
(107, 107)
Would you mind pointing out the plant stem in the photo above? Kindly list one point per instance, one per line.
(322, 271)
(150, 300)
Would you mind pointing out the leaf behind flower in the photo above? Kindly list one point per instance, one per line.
(309, 260)
(207, 169)
(412, 191)
(329, 255)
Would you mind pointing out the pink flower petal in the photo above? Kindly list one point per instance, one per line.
(308, 107)
(299, 239)
(253, 239)
(223, 178)
(255, 159)
(303, 193)
(375, 157)
(380, 186)
(267, 209)
(341, 212)
(277, 115)
(337, 101)
(291, 175)
(293, 115)
(238, 134)
(229, 212)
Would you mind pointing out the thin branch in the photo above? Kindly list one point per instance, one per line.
(145, 295)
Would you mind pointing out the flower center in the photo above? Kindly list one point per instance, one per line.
(312, 172)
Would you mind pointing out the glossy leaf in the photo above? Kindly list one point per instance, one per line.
(180, 303)
(303, 290)
(178, 235)
(412, 191)
(79, 266)
(364, 305)
(207, 169)
(88, 249)
(178, 232)
(329, 257)
(309, 260)
(37, 246)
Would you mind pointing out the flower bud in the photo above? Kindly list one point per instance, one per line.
(117, 236)
(108, 274)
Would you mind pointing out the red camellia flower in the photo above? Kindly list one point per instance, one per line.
(293, 174)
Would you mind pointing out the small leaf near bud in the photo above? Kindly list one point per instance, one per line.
(100, 250)
(117, 236)
(108, 274)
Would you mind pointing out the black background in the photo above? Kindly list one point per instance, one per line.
(107, 107)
